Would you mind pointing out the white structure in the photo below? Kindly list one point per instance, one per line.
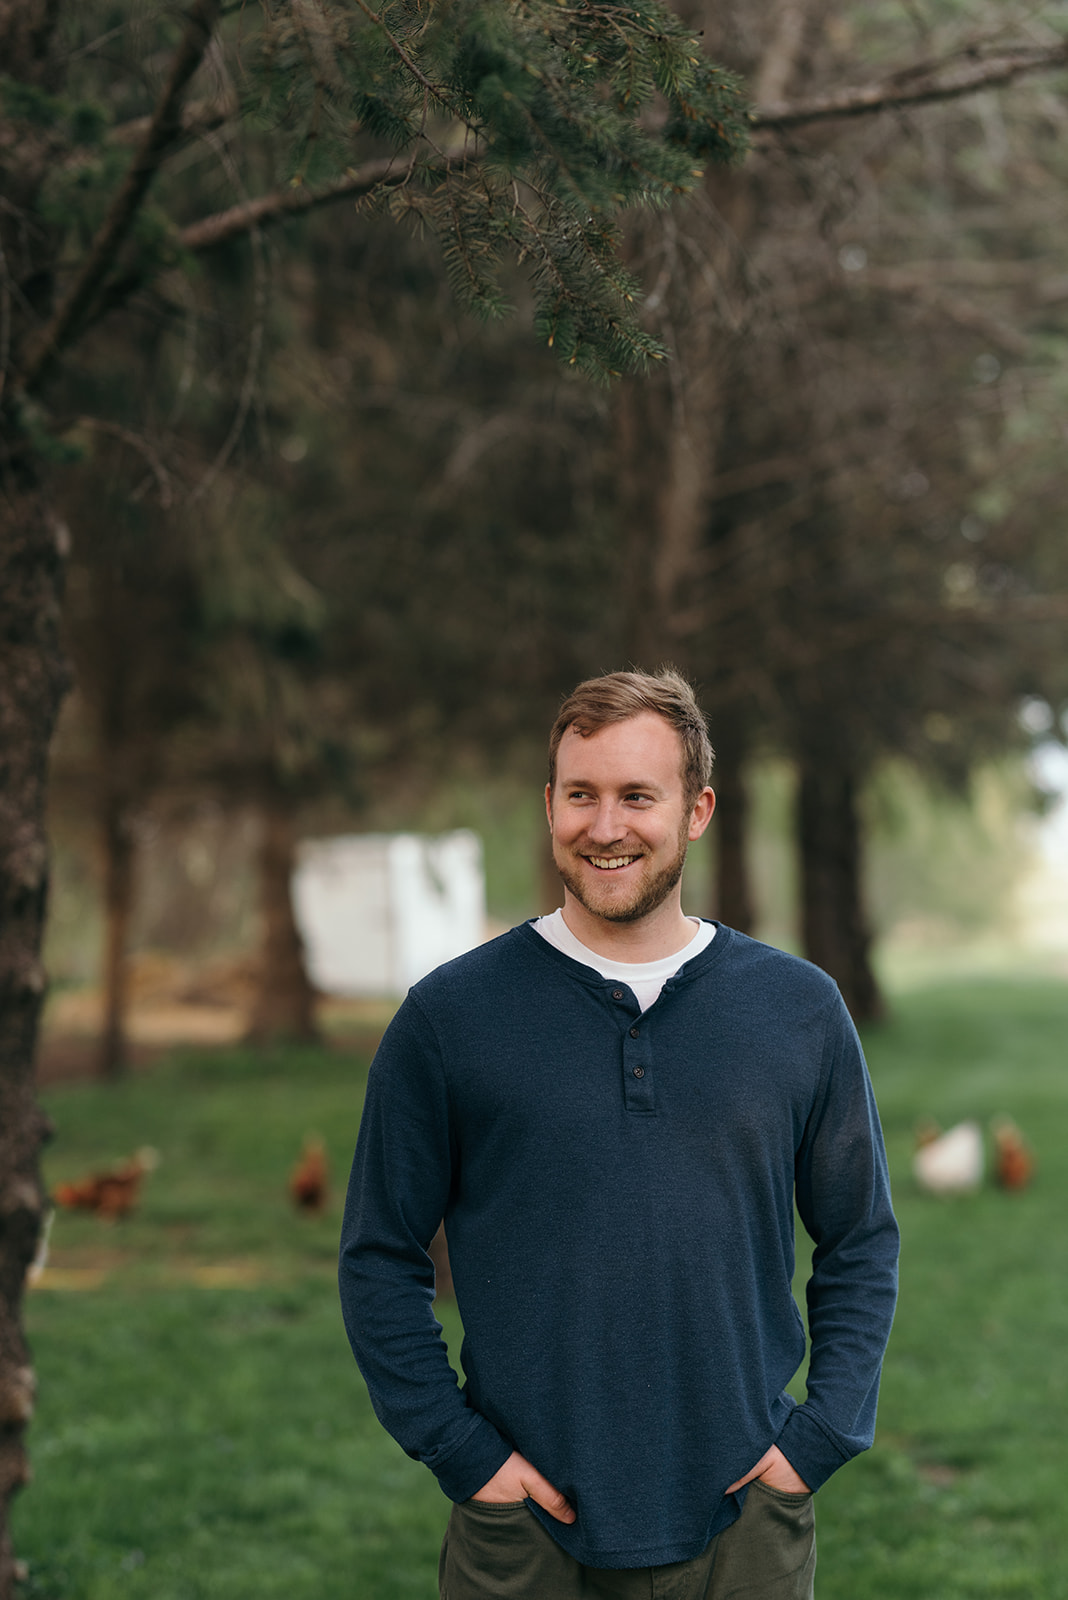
(379, 911)
(1042, 897)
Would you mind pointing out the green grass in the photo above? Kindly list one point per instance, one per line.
(228, 1125)
(964, 1495)
(207, 1441)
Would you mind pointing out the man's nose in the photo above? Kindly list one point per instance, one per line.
(608, 825)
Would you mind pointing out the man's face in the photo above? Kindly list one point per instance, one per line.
(619, 821)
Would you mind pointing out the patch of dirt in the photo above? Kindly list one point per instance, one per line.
(66, 1279)
(938, 1473)
(71, 1058)
(171, 1002)
(95, 1271)
(65, 1270)
(219, 1274)
(174, 1002)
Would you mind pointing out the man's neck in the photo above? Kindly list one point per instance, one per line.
(664, 932)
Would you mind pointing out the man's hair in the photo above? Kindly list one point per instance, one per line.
(619, 695)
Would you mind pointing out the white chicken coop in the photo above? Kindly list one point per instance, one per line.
(377, 912)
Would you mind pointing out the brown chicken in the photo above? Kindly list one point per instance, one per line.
(1014, 1161)
(111, 1194)
(309, 1181)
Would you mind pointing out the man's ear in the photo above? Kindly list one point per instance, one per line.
(549, 804)
(701, 815)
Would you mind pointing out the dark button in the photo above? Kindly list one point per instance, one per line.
(639, 1072)
(634, 1033)
(617, 994)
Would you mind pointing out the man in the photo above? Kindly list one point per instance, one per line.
(613, 1110)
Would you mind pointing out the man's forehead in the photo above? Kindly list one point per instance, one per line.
(646, 745)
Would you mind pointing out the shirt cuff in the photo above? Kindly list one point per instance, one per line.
(468, 1468)
(809, 1449)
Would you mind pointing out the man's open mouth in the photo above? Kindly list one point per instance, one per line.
(610, 863)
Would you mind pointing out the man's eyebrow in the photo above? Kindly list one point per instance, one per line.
(629, 787)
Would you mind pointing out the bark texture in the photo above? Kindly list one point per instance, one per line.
(33, 679)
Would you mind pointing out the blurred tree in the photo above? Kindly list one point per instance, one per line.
(130, 624)
(275, 718)
(823, 581)
(886, 653)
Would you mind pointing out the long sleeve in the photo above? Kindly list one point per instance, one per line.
(618, 1190)
(399, 1187)
(843, 1197)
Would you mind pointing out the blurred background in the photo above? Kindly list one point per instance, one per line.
(338, 550)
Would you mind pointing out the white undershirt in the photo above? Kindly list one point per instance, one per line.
(644, 978)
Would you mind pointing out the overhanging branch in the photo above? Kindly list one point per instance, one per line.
(170, 124)
(164, 129)
(946, 82)
(280, 204)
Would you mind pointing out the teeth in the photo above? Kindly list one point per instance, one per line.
(609, 863)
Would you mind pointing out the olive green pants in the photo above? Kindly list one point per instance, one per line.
(502, 1552)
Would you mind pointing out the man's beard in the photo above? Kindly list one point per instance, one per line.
(649, 896)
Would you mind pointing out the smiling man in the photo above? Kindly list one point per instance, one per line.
(621, 812)
(614, 1109)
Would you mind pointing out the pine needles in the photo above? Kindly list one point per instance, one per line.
(534, 126)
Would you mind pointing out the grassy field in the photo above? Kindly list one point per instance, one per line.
(203, 1433)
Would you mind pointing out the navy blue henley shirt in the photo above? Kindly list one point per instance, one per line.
(618, 1195)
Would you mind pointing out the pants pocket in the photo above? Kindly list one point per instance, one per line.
(785, 1497)
(502, 1552)
(771, 1550)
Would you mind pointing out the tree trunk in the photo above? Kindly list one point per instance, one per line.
(284, 1004)
(119, 863)
(33, 680)
(732, 891)
(667, 432)
(834, 928)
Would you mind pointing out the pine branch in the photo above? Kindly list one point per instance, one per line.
(163, 131)
(434, 90)
(280, 204)
(945, 82)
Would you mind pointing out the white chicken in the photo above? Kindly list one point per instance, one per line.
(950, 1162)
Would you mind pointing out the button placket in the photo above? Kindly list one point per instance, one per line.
(637, 1074)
